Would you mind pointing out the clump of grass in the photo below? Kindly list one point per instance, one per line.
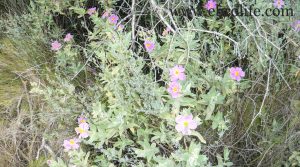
(12, 65)
(13, 6)
(22, 60)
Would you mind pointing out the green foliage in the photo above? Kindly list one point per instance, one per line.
(294, 159)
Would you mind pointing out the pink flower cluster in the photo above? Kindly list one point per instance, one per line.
(176, 73)
(113, 19)
(280, 4)
(184, 123)
(55, 45)
(82, 130)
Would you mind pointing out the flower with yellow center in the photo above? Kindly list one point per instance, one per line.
(185, 124)
(177, 73)
(113, 19)
(71, 144)
(174, 89)
(82, 130)
(236, 73)
(149, 45)
(72, 141)
(81, 119)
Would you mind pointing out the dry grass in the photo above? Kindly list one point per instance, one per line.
(20, 130)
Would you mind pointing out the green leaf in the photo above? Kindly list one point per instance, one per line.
(164, 162)
(148, 151)
(211, 99)
(226, 154)
(78, 10)
(200, 137)
(219, 123)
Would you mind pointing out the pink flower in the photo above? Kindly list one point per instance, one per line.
(120, 27)
(185, 124)
(174, 89)
(91, 11)
(278, 3)
(211, 4)
(105, 15)
(166, 31)
(149, 45)
(296, 25)
(81, 119)
(177, 73)
(55, 46)
(68, 37)
(113, 19)
(49, 162)
(82, 130)
(236, 73)
(71, 144)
